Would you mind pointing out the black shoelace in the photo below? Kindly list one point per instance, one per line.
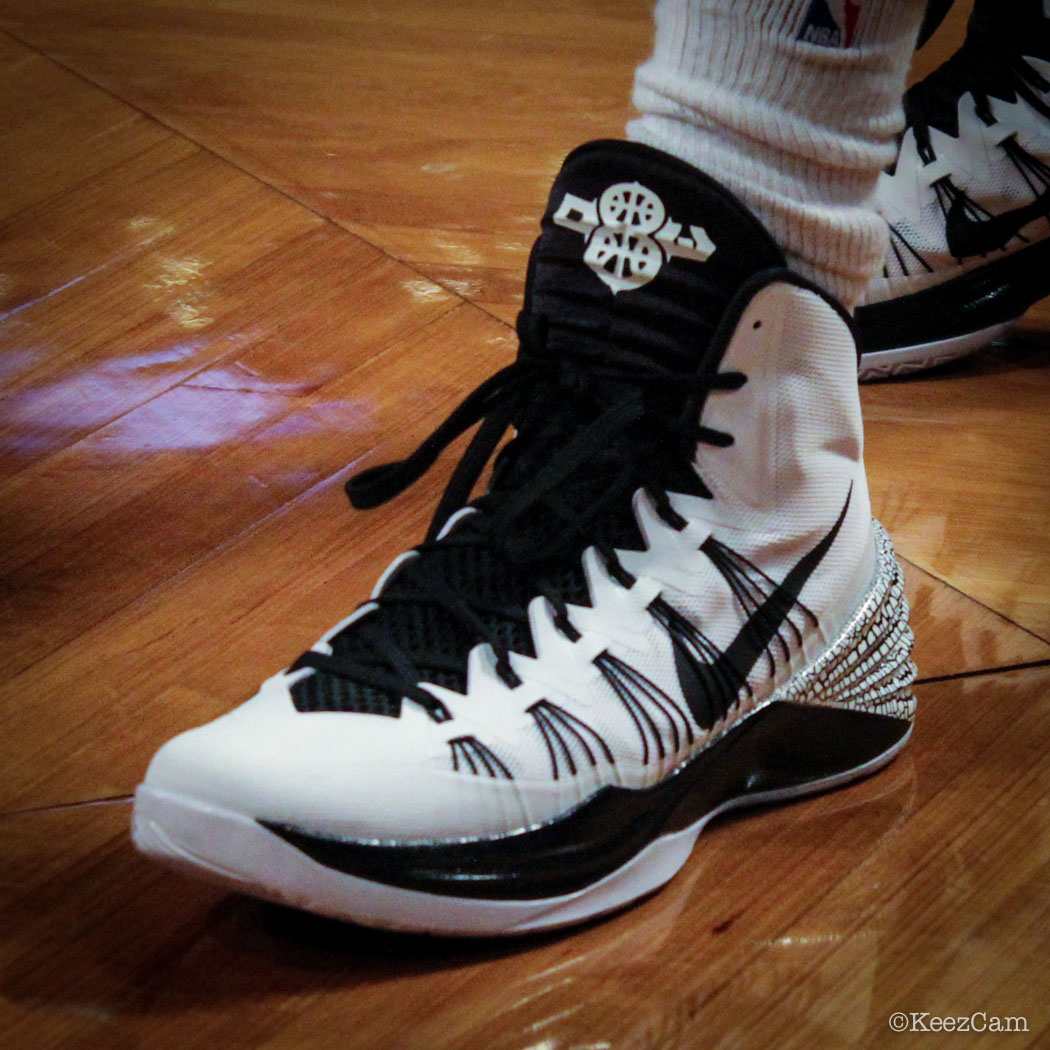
(988, 65)
(591, 429)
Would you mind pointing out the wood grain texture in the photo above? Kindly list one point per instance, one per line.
(277, 568)
(431, 129)
(959, 476)
(247, 247)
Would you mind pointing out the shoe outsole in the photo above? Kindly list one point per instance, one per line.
(234, 851)
(907, 360)
(943, 322)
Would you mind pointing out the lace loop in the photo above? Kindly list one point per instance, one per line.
(986, 66)
(589, 431)
(497, 401)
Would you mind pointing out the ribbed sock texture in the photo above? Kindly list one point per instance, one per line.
(798, 129)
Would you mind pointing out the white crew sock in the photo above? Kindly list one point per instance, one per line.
(792, 104)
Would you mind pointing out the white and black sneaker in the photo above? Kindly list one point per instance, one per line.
(671, 601)
(967, 202)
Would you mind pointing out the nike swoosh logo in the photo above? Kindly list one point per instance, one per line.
(967, 236)
(711, 688)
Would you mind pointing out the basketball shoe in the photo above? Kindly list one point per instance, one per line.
(967, 202)
(670, 601)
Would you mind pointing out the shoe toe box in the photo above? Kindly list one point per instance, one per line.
(361, 776)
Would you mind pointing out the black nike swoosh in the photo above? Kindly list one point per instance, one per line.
(711, 688)
(967, 236)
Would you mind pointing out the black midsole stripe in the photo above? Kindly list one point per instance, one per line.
(781, 746)
(995, 293)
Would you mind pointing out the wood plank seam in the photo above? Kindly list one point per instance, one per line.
(995, 612)
(211, 151)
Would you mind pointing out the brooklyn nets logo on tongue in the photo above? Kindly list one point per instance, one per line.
(629, 236)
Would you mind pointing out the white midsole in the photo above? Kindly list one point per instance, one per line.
(882, 364)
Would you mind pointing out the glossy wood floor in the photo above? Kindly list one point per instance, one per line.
(248, 245)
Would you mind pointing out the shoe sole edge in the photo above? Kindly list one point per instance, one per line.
(907, 360)
(945, 321)
(234, 851)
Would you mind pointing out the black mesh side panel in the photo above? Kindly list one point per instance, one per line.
(321, 692)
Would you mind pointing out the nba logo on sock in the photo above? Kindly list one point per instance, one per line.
(830, 23)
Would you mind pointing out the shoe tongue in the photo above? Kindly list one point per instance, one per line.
(638, 249)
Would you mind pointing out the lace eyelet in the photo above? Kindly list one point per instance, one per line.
(508, 676)
(669, 516)
(624, 578)
(565, 627)
(438, 712)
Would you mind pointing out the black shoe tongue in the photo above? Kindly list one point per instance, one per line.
(638, 249)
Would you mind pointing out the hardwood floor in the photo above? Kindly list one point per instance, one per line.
(248, 246)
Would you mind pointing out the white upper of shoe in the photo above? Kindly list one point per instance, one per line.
(778, 491)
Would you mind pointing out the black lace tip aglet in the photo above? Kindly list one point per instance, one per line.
(372, 487)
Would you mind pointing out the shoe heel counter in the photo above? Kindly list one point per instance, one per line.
(868, 666)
